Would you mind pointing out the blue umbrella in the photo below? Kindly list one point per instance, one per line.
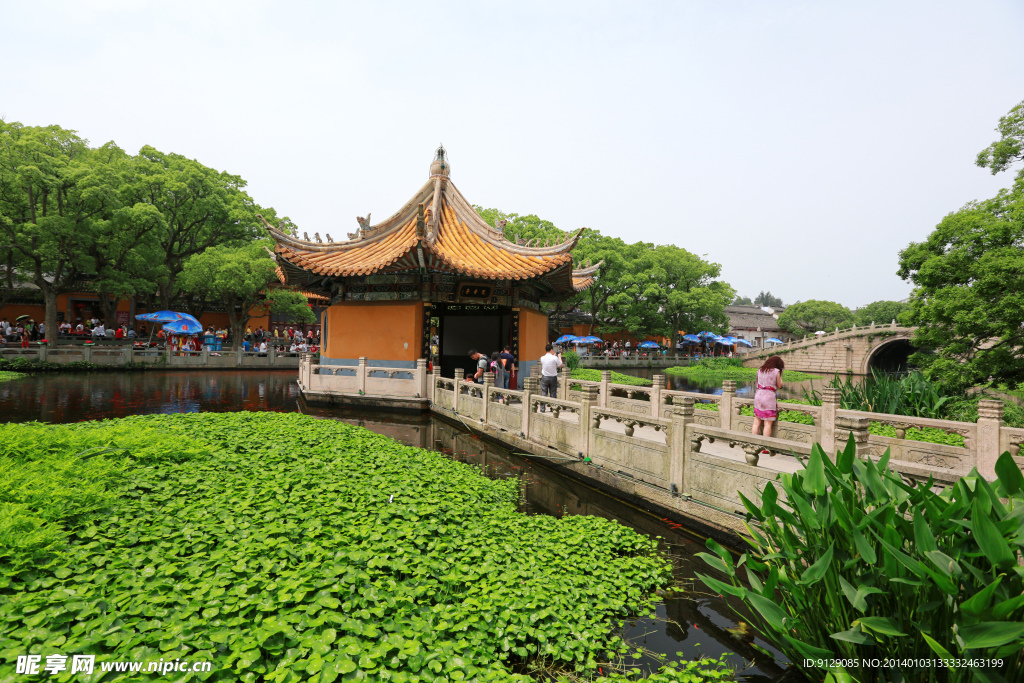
(649, 345)
(692, 338)
(565, 338)
(165, 317)
(774, 340)
(591, 340)
(183, 326)
(705, 335)
(744, 342)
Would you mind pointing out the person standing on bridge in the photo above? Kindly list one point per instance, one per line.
(766, 404)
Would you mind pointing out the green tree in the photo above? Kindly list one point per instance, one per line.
(200, 208)
(742, 301)
(879, 312)
(967, 302)
(240, 278)
(685, 294)
(811, 316)
(766, 299)
(54, 193)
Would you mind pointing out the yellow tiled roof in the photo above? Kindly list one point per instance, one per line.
(438, 228)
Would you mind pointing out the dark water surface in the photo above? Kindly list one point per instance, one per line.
(691, 622)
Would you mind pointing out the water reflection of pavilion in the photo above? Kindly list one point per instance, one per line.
(436, 260)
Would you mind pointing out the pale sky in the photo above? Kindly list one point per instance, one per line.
(799, 144)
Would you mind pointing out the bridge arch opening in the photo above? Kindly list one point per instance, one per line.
(891, 357)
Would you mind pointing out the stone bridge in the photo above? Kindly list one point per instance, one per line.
(858, 350)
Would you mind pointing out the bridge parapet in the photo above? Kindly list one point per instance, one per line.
(841, 351)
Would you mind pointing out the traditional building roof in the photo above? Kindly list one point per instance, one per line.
(437, 229)
(751, 318)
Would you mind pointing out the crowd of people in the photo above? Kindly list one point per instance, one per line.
(501, 363)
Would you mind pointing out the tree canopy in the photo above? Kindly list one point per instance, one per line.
(879, 312)
(766, 299)
(126, 223)
(742, 301)
(240, 278)
(808, 317)
(967, 300)
(643, 288)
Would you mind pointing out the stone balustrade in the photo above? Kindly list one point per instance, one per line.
(659, 438)
(126, 354)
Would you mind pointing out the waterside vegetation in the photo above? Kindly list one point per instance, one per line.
(6, 376)
(857, 564)
(285, 548)
(591, 375)
(717, 370)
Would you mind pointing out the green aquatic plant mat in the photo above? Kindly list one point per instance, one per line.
(716, 370)
(848, 563)
(591, 375)
(294, 549)
(6, 376)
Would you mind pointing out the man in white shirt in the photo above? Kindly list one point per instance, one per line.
(549, 365)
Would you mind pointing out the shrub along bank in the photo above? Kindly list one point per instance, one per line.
(858, 565)
(285, 548)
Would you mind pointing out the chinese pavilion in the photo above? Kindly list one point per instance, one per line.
(435, 258)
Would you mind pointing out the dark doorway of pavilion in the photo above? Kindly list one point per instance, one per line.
(461, 327)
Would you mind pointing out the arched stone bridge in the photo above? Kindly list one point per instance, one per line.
(858, 350)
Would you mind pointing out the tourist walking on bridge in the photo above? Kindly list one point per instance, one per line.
(549, 365)
(766, 405)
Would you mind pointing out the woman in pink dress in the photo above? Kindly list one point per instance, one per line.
(766, 405)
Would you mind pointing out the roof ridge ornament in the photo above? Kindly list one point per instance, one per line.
(440, 165)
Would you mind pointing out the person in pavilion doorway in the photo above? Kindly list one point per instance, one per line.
(508, 361)
(481, 365)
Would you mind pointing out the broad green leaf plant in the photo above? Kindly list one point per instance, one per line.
(849, 562)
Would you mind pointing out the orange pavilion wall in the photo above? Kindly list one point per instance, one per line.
(379, 330)
(533, 334)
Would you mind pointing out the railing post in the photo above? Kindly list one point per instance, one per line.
(239, 356)
(422, 390)
(725, 411)
(42, 352)
(656, 389)
(563, 383)
(459, 374)
(273, 354)
(488, 383)
(87, 353)
(827, 420)
(531, 385)
(986, 450)
(206, 354)
(535, 370)
(682, 417)
(858, 426)
(606, 379)
(588, 401)
(361, 375)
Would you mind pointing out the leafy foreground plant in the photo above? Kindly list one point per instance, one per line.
(859, 565)
(285, 548)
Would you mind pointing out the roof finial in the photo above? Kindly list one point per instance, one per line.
(440, 165)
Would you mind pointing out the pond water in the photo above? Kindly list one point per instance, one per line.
(691, 622)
